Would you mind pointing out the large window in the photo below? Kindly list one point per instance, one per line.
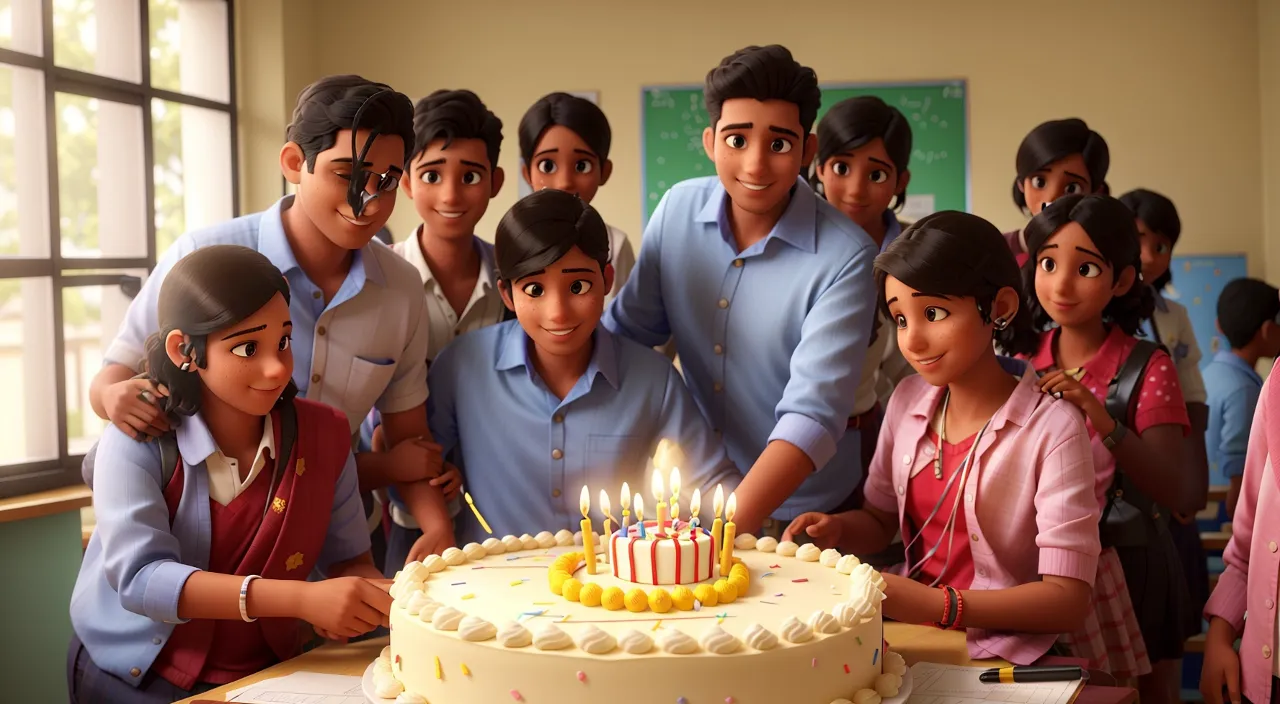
(117, 134)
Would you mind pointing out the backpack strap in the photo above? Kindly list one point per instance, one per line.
(1122, 392)
(169, 458)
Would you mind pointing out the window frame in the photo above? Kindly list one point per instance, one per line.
(33, 476)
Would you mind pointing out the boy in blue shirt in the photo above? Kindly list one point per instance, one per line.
(535, 408)
(767, 290)
(1249, 317)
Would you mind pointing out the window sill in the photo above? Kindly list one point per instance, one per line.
(45, 503)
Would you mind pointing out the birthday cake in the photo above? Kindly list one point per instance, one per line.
(663, 615)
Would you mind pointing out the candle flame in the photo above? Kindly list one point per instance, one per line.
(605, 508)
(732, 507)
(625, 497)
(639, 504)
(696, 504)
(675, 483)
(658, 494)
(718, 503)
(584, 502)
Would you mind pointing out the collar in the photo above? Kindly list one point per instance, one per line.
(274, 244)
(1022, 403)
(892, 228)
(513, 352)
(797, 226)
(411, 250)
(196, 443)
(1229, 359)
(1104, 364)
(1161, 304)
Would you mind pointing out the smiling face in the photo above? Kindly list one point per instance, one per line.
(451, 187)
(1157, 251)
(942, 337)
(758, 148)
(322, 191)
(1064, 177)
(248, 364)
(1074, 282)
(560, 306)
(562, 160)
(862, 183)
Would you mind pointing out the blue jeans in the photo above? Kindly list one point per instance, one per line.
(399, 543)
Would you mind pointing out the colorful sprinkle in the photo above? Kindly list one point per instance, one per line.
(478, 568)
(543, 603)
(398, 663)
(813, 662)
(846, 668)
(657, 625)
(859, 639)
(566, 618)
(875, 656)
(728, 700)
(515, 694)
(770, 603)
(766, 574)
(468, 596)
(697, 605)
(466, 671)
(774, 567)
(439, 669)
(518, 582)
(682, 700)
(457, 584)
(801, 580)
(778, 594)
(582, 676)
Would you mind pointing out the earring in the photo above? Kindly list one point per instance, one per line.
(1001, 323)
(186, 366)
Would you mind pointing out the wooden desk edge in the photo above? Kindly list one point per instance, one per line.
(45, 503)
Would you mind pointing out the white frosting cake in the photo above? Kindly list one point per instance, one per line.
(684, 560)
(796, 629)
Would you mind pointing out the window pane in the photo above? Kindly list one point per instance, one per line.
(189, 47)
(192, 170)
(91, 315)
(24, 176)
(28, 428)
(98, 36)
(100, 179)
(20, 26)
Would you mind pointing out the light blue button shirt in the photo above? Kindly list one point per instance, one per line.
(526, 454)
(125, 602)
(771, 339)
(366, 347)
(1233, 387)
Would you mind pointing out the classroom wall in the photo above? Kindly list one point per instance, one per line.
(1269, 89)
(1172, 84)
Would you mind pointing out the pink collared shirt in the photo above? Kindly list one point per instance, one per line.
(1248, 585)
(1028, 501)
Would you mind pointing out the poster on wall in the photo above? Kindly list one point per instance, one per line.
(523, 188)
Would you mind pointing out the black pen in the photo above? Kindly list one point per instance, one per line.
(1010, 675)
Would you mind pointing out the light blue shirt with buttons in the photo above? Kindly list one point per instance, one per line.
(526, 454)
(771, 339)
(125, 603)
(1234, 388)
(366, 347)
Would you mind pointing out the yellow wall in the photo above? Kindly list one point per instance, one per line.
(1269, 88)
(1172, 84)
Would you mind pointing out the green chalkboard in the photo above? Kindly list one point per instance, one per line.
(673, 119)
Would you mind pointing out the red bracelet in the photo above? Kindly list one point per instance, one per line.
(946, 607)
(957, 625)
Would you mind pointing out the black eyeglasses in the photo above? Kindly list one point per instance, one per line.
(387, 181)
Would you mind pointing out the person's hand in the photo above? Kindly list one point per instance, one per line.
(345, 607)
(132, 405)
(450, 482)
(1221, 664)
(1061, 385)
(434, 541)
(908, 601)
(822, 529)
(329, 636)
(415, 459)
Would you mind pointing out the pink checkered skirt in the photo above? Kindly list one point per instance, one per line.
(1109, 639)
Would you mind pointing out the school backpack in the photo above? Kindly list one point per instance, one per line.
(1130, 518)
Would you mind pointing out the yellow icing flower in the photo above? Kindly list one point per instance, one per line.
(682, 598)
(571, 589)
(636, 601)
(706, 594)
(590, 594)
(740, 585)
(613, 599)
(726, 592)
(660, 601)
(557, 578)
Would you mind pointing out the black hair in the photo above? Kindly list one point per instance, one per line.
(206, 291)
(330, 105)
(1160, 216)
(542, 227)
(455, 114)
(851, 123)
(1245, 304)
(763, 73)
(582, 116)
(1055, 140)
(1110, 225)
(950, 253)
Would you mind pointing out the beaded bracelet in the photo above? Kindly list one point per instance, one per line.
(956, 624)
(948, 606)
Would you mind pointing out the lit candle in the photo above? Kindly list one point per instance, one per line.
(625, 499)
(675, 498)
(675, 517)
(483, 523)
(588, 533)
(639, 504)
(606, 509)
(717, 525)
(695, 505)
(726, 557)
(662, 503)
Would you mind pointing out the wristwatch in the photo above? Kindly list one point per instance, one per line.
(1115, 436)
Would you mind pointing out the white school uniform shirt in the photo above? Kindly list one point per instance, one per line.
(484, 308)
(1177, 335)
(224, 472)
(623, 257)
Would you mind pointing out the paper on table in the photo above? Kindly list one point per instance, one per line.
(302, 688)
(953, 684)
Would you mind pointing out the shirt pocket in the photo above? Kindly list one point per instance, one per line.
(366, 382)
